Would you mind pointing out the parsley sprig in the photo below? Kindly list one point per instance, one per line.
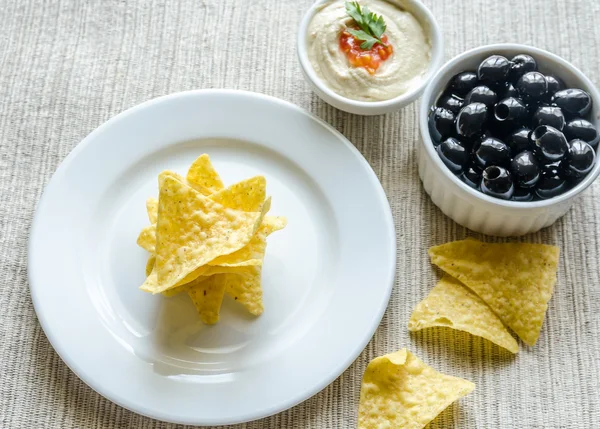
(371, 25)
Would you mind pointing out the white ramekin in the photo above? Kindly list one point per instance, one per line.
(464, 204)
(430, 25)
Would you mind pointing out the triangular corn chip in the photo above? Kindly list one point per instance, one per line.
(147, 239)
(248, 195)
(244, 279)
(150, 265)
(203, 177)
(152, 209)
(399, 391)
(515, 279)
(207, 272)
(246, 287)
(256, 247)
(452, 305)
(193, 230)
(207, 296)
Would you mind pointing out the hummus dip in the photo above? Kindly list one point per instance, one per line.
(396, 75)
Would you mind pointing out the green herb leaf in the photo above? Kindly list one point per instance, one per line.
(371, 25)
(368, 41)
(377, 25)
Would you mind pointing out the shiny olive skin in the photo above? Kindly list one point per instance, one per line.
(482, 94)
(453, 154)
(549, 115)
(441, 124)
(451, 102)
(493, 69)
(463, 82)
(471, 120)
(532, 86)
(582, 130)
(522, 194)
(550, 145)
(510, 110)
(472, 176)
(525, 169)
(521, 64)
(551, 182)
(580, 159)
(497, 182)
(574, 101)
(509, 90)
(554, 85)
(513, 132)
(491, 151)
(518, 140)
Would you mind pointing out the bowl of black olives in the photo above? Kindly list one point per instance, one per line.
(510, 135)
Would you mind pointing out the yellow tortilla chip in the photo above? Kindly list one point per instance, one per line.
(150, 264)
(515, 279)
(452, 305)
(152, 209)
(203, 176)
(207, 272)
(248, 195)
(207, 296)
(246, 289)
(192, 230)
(147, 239)
(244, 275)
(255, 250)
(399, 391)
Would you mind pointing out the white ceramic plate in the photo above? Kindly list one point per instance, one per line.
(327, 276)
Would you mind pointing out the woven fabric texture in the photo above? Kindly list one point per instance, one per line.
(66, 66)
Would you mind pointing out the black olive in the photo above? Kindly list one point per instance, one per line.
(491, 151)
(471, 120)
(453, 154)
(525, 169)
(497, 182)
(509, 90)
(451, 102)
(582, 130)
(554, 85)
(519, 140)
(510, 110)
(522, 194)
(550, 144)
(580, 159)
(441, 124)
(463, 82)
(472, 176)
(532, 86)
(494, 69)
(549, 115)
(552, 182)
(482, 94)
(574, 101)
(521, 64)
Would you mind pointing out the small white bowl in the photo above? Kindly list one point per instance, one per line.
(430, 25)
(465, 205)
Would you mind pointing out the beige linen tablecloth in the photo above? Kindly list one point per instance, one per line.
(69, 65)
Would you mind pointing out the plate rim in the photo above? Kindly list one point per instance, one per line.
(264, 413)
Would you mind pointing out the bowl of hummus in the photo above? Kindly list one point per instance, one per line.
(369, 57)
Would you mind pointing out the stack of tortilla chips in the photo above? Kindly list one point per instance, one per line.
(207, 240)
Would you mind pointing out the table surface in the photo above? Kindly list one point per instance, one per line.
(69, 65)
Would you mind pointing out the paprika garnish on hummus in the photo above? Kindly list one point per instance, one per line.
(369, 51)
